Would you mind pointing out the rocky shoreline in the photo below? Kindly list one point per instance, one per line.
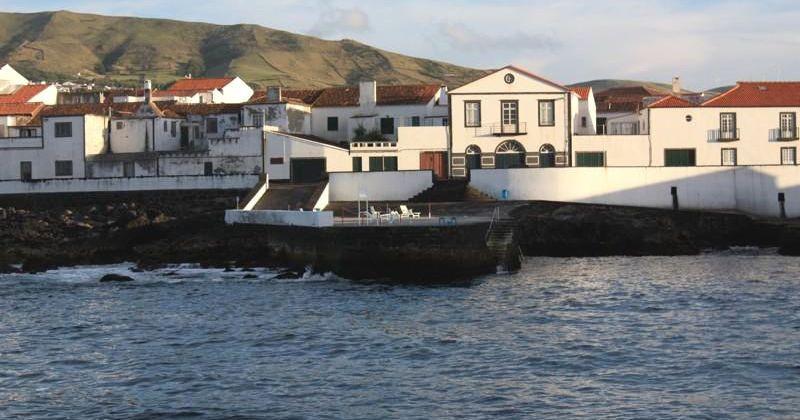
(154, 233)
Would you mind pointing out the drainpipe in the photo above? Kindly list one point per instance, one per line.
(569, 128)
(449, 129)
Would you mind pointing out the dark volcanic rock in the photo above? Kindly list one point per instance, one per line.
(115, 278)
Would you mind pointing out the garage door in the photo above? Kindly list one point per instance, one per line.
(308, 170)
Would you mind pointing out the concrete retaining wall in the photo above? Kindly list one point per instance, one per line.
(214, 182)
(751, 189)
(378, 186)
(280, 218)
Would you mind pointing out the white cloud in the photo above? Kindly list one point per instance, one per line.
(338, 21)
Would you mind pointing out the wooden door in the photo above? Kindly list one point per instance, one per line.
(434, 161)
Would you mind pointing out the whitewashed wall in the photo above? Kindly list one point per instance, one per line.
(163, 183)
(619, 150)
(751, 189)
(378, 186)
(288, 147)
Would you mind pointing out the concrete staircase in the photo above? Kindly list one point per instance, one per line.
(503, 244)
(450, 191)
(289, 196)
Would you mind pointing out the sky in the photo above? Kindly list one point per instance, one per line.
(708, 43)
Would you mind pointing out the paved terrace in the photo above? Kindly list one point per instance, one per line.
(431, 214)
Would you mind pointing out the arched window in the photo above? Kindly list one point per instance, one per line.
(473, 159)
(510, 146)
(473, 150)
(547, 156)
(509, 154)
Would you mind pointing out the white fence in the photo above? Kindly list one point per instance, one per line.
(751, 189)
(162, 183)
(280, 218)
(378, 186)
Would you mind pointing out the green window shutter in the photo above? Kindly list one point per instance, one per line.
(357, 164)
(590, 159)
(390, 163)
(680, 157)
(376, 164)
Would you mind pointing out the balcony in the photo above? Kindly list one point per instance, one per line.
(499, 129)
(720, 135)
(783, 134)
(364, 146)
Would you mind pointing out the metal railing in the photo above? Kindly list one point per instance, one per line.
(783, 134)
(500, 129)
(723, 135)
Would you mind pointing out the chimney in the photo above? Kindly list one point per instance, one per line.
(367, 94)
(443, 95)
(148, 91)
(676, 85)
(274, 94)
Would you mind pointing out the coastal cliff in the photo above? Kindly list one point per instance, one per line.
(154, 230)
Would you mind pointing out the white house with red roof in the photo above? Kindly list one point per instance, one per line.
(753, 123)
(224, 90)
(20, 101)
(584, 109)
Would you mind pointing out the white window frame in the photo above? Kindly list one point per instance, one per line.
(547, 113)
(729, 161)
(788, 156)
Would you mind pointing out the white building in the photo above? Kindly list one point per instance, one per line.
(510, 118)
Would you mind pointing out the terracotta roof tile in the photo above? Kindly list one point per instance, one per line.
(22, 94)
(298, 96)
(758, 94)
(387, 95)
(20, 108)
(582, 91)
(199, 84)
(672, 101)
(202, 109)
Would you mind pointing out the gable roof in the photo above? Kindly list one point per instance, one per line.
(672, 101)
(23, 94)
(348, 96)
(199, 85)
(758, 94)
(582, 91)
(298, 96)
(518, 70)
(28, 108)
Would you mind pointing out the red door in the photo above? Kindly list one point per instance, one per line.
(434, 161)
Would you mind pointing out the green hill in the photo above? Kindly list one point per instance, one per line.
(72, 46)
(600, 85)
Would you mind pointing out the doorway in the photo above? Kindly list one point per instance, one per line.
(547, 156)
(434, 161)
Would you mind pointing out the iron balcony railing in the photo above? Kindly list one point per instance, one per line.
(723, 135)
(500, 129)
(783, 134)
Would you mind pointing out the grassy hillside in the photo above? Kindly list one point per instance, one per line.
(65, 45)
(603, 84)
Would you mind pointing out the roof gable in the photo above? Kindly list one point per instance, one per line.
(186, 86)
(23, 94)
(672, 101)
(582, 92)
(521, 81)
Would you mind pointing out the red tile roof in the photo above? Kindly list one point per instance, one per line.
(758, 94)
(672, 101)
(202, 109)
(197, 85)
(387, 95)
(582, 91)
(298, 96)
(22, 94)
(20, 108)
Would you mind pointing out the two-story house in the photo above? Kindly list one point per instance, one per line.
(753, 123)
(510, 118)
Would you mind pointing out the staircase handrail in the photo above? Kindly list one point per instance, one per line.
(495, 217)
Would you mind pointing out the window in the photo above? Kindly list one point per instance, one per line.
(472, 114)
(727, 125)
(257, 119)
(679, 157)
(128, 169)
(196, 132)
(120, 125)
(445, 122)
(415, 122)
(510, 112)
(211, 126)
(26, 170)
(173, 130)
(382, 163)
(583, 122)
(63, 129)
(387, 126)
(788, 125)
(590, 159)
(276, 161)
(166, 126)
(728, 157)
(547, 113)
(63, 168)
(333, 123)
(788, 156)
(357, 164)
(208, 168)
